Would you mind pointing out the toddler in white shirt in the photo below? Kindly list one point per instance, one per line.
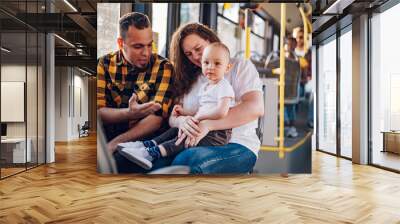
(216, 97)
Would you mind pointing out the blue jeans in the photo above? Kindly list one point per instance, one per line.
(290, 113)
(231, 158)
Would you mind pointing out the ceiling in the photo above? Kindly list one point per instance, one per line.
(333, 15)
(293, 17)
(19, 54)
(72, 20)
(79, 28)
(34, 6)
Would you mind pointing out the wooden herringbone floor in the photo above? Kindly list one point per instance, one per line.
(70, 191)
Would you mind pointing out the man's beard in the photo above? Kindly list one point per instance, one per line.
(142, 66)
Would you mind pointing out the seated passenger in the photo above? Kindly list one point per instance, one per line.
(216, 96)
(134, 86)
(240, 154)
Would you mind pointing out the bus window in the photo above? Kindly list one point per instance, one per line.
(227, 32)
(228, 26)
(257, 46)
(276, 43)
(189, 12)
(107, 28)
(159, 24)
(229, 11)
(257, 37)
(258, 26)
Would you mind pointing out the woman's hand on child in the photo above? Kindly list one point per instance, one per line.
(191, 141)
(188, 130)
(177, 110)
(189, 126)
(204, 129)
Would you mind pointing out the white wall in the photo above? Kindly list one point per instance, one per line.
(71, 93)
(61, 103)
(79, 117)
(13, 73)
(33, 127)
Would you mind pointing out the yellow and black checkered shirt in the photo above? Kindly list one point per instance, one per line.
(117, 80)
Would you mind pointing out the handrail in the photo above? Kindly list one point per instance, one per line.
(287, 149)
(247, 30)
(282, 82)
(306, 26)
(281, 71)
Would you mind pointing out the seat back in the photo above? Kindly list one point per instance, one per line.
(292, 78)
(260, 126)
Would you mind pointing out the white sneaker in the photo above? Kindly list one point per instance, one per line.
(140, 156)
(292, 133)
(137, 144)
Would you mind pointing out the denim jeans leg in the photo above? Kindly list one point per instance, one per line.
(228, 159)
(292, 110)
(286, 114)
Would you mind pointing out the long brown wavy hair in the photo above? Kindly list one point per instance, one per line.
(185, 72)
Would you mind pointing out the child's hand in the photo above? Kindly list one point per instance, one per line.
(177, 110)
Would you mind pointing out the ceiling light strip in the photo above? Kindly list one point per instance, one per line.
(84, 71)
(65, 41)
(5, 50)
(70, 5)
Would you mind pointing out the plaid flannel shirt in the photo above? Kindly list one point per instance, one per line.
(117, 80)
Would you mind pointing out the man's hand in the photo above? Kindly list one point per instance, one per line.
(111, 147)
(139, 111)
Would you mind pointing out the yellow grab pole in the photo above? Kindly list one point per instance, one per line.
(305, 28)
(247, 30)
(282, 82)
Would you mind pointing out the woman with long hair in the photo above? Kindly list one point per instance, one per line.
(240, 154)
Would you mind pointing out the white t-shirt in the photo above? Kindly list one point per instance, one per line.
(243, 78)
(211, 94)
(299, 52)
